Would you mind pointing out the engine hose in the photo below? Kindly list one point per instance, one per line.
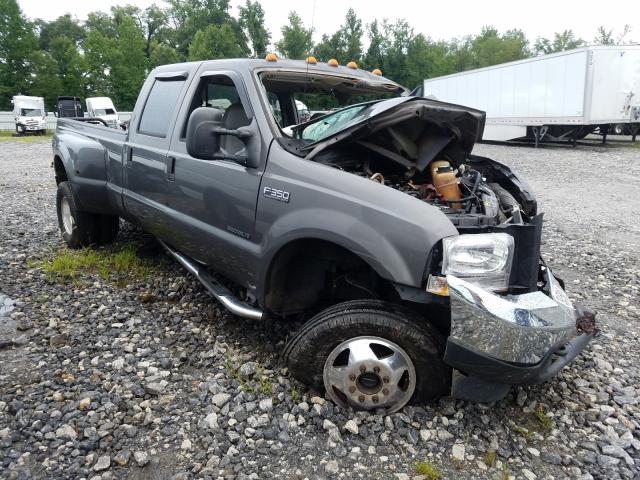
(473, 190)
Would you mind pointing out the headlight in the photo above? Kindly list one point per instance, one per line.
(483, 259)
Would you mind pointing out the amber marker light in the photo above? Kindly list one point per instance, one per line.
(376, 71)
(271, 57)
(312, 60)
(333, 62)
(353, 65)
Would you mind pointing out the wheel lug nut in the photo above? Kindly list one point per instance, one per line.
(374, 399)
(376, 369)
(363, 368)
(361, 398)
(385, 391)
(352, 377)
(352, 388)
(385, 379)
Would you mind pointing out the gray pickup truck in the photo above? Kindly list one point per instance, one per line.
(415, 264)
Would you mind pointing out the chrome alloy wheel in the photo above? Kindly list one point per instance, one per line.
(369, 372)
(67, 217)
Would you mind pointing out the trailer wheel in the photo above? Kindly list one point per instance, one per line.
(80, 229)
(370, 354)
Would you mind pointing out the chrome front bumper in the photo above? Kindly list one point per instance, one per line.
(518, 329)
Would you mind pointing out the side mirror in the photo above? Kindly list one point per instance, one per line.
(202, 140)
(204, 129)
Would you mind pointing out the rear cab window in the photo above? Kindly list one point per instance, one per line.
(159, 107)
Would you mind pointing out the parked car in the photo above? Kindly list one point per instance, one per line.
(103, 108)
(416, 263)
(29, 114)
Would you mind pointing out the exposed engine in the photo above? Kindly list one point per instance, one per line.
(462, 192)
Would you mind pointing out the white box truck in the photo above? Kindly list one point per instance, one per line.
(102, 108)
(29, 114)
(561, 96)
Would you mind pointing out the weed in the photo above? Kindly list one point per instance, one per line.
(490, 458)
(505, 472)
(295, 393)
(522, 431)
(545, 421)
(266, 387)
(427, 469)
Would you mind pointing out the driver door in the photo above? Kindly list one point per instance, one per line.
(214, 201)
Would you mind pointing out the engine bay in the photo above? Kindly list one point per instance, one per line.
(467, 192)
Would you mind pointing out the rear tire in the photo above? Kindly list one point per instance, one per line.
(384, 333)
(80, 229)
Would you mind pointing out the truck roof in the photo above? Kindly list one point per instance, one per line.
(250, 64)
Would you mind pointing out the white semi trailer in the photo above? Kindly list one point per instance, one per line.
(29, 114)
(562, 96)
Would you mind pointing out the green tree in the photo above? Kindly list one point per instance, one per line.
(191, 16)
(491, 48)
(17, 46)
(115, 59)
(62, 27)
(215, 42)
(70, 66)
(561, 41)
(296, 41)
(374, 56)
(45, 80)
(252, 21)
(344, 45)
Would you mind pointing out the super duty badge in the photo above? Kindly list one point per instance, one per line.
(275, 194)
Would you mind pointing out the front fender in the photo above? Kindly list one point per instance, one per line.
(392, 231)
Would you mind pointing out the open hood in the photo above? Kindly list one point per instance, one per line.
(411, 131)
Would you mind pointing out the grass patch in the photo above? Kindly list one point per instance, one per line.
(8, 136)
(542, 418)
(115, 260)
(427, 469)
(526, 433)
(257, 383)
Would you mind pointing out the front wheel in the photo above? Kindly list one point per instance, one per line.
(370, 354)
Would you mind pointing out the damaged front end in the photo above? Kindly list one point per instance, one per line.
(510, 320)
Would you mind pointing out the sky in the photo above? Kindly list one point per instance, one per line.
(437, 19)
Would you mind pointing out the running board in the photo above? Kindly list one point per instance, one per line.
(215, 288)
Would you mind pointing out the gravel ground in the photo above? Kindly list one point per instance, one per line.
(145, 377)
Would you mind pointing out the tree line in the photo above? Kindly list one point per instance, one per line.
(110, 54)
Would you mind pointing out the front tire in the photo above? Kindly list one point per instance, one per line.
(370, 354)
(81, 229)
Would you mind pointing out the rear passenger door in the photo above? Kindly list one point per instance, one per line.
(145, 155)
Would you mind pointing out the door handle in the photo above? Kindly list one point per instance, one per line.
(171, 168)
(128, 152)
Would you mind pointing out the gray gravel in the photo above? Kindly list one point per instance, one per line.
(146, 378)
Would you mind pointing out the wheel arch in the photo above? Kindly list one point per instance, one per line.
(298, 271)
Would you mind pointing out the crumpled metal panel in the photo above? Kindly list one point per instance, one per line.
(515, 328)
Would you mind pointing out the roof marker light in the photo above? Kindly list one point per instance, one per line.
(376, 71)
(311, 60)
(352, 64)
(271, 57)
(333, 62)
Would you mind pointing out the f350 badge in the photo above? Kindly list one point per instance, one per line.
(276, 194)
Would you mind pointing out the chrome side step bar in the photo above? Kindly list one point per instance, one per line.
(215, 288)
